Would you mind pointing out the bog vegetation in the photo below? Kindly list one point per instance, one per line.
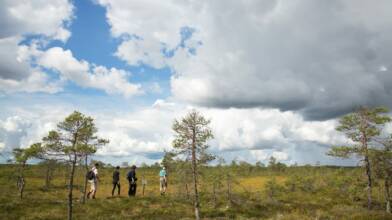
(55, 188)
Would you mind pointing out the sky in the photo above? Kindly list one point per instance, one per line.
(273, 76)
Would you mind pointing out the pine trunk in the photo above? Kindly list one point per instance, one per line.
(187, 190)
(364, 141)
(369, 182)
(22, 189)
(22, 181)
(214, 194)
(194, 173)
(70, 188)
(387, 195)
(85, 181)
(66, 173)
(229, 200)
(47, 177)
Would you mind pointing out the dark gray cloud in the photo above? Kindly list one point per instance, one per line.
(318, 58)
(321, 59)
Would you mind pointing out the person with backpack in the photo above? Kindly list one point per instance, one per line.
(162, 181)
(132, 181)
(116, 180)
(93, 178)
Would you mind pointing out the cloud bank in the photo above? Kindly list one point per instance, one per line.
(240, 134)
(320, 59)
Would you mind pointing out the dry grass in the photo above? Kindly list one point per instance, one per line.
(250, 201)
(257, 183)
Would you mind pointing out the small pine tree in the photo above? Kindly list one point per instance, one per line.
(382, 165)
(361, 126)
(191, 135)
(74, 139)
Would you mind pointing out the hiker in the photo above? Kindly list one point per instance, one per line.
(116, 180)
(93, 178)
(132, 181)
(162, 181)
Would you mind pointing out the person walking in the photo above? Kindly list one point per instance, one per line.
(162, 181)
(116, 180)
(132, 181)
(93, 180)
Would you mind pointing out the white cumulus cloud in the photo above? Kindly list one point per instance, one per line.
(18, 20)
(81, 72)
(144, 133)
(48, 18)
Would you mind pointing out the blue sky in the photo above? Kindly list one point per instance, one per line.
(273, 77)
(91, 41)
(99, 47)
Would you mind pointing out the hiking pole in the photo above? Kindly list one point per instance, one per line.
(144, 183)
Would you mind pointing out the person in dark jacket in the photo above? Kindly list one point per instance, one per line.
(132, 181)
(116, 180)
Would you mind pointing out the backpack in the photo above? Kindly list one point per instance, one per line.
(131, 176)
(90, 175)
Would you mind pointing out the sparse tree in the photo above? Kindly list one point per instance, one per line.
(50, 167)
(233, 163)
(275, 165)
(38, 152)
(361, 126)
(191, 135)
(21, 157)
(382, 166)
(168, 160)
(260, 164)
(272, 161)
(245, 167)
(75, 136)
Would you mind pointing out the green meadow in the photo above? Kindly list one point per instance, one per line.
(239, 191)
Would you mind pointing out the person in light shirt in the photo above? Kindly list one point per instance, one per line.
(93, 182)
(162, 181)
